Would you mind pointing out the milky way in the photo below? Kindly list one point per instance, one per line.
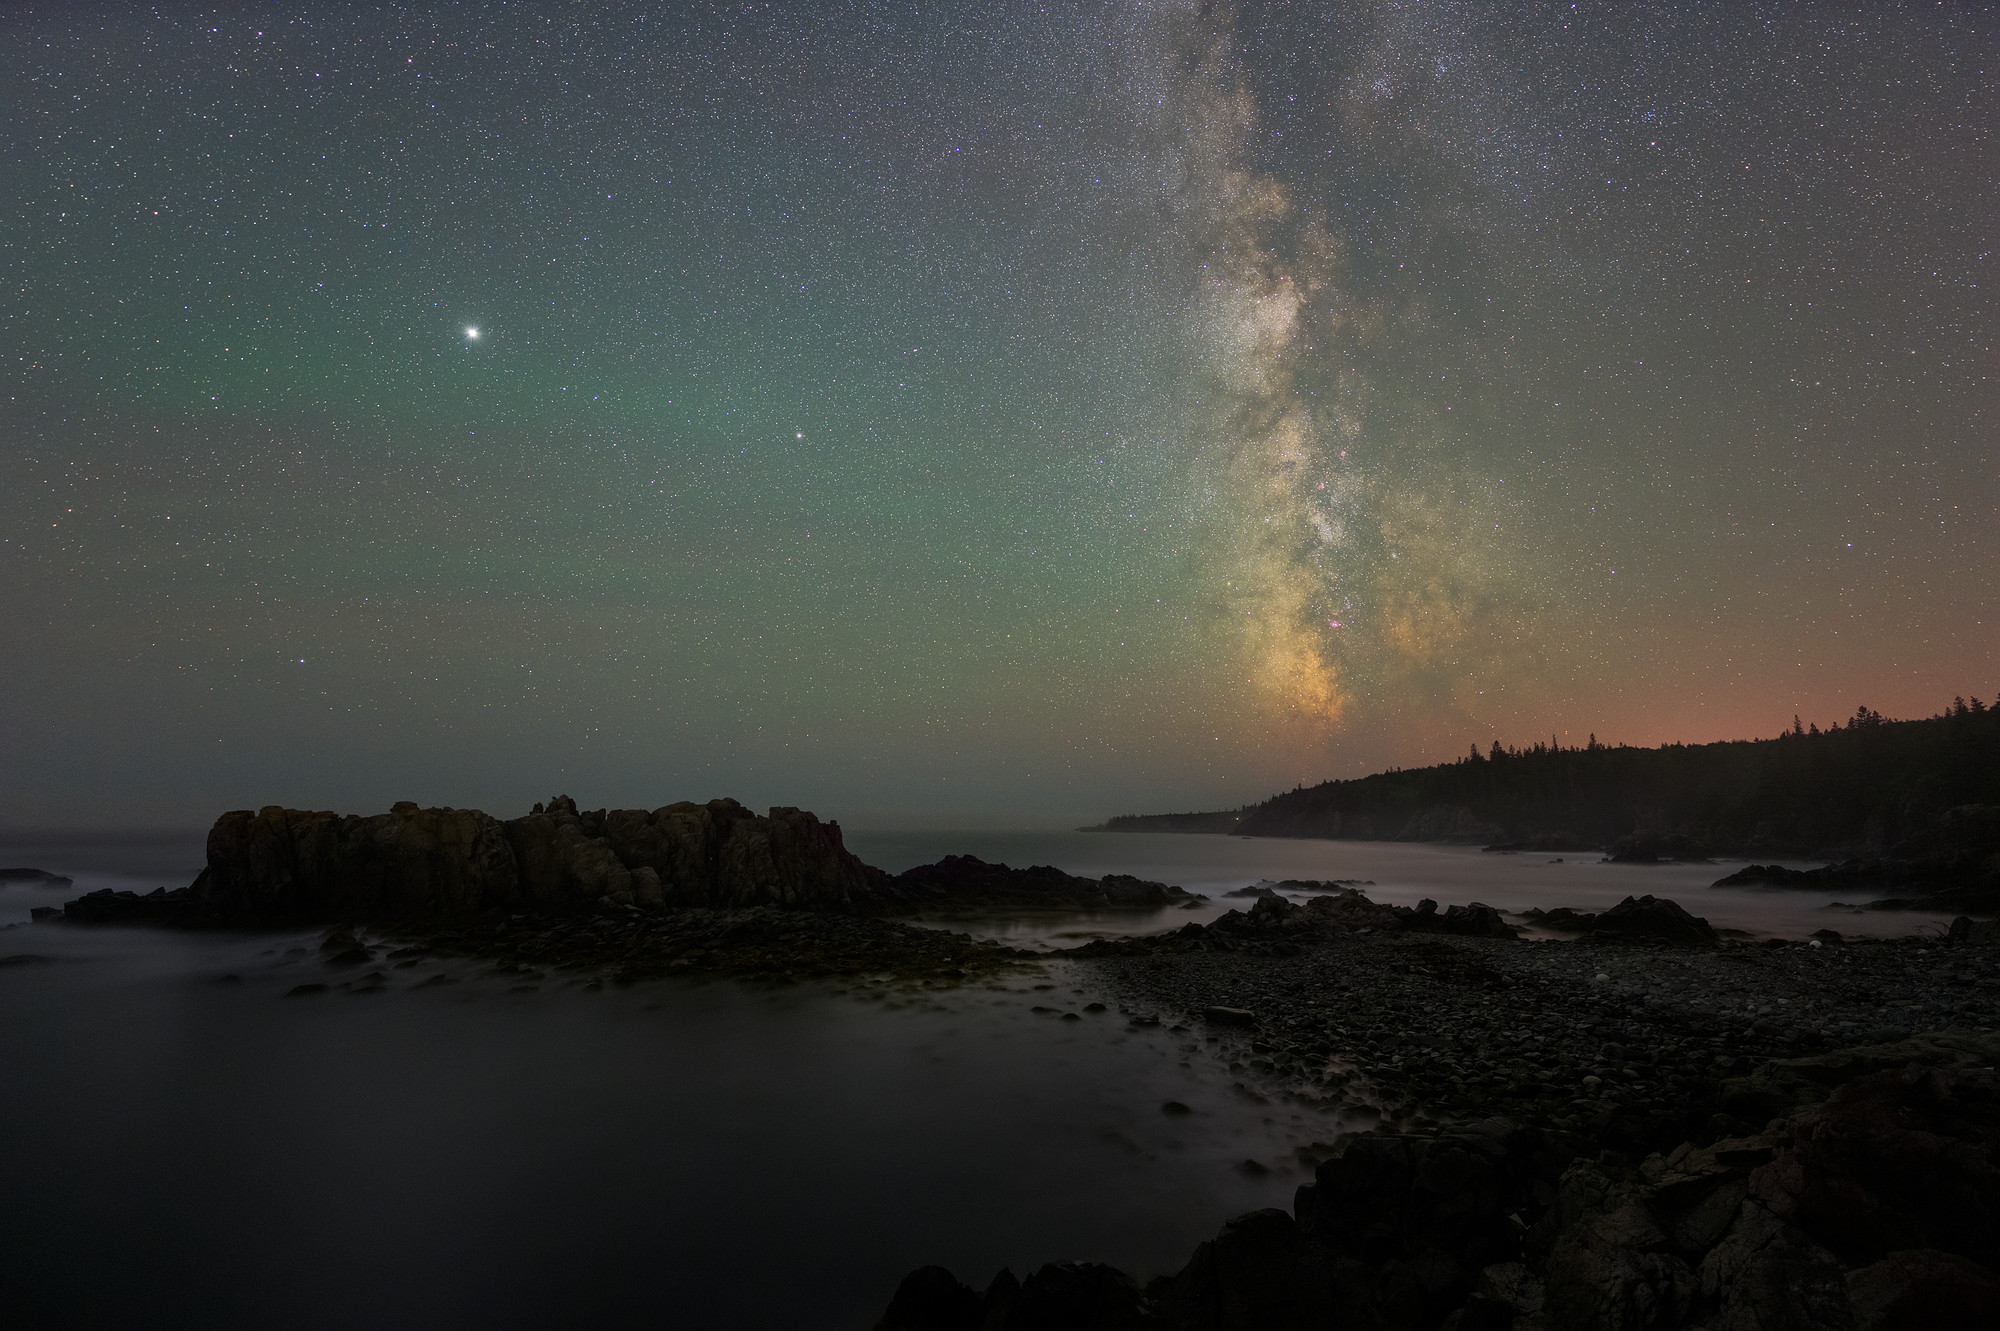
(1064, 408)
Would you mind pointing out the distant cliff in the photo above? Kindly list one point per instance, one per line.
(1864, 787)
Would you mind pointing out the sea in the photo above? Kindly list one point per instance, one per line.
(186, 1146)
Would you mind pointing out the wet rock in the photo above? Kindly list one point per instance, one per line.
(1230, 1016)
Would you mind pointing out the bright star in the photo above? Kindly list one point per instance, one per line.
(472, 333)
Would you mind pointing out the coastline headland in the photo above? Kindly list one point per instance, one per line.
(1906, 808)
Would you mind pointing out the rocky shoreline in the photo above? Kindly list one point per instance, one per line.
(1638, 1125)
(1591, 1134)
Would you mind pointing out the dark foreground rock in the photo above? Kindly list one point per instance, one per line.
(1645, 919)
(1870, 1202)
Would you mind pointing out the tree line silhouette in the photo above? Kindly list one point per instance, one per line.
(1863, 786)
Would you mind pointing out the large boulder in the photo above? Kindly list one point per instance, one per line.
(1651, 919)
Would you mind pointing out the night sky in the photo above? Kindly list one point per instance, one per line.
(975, 408)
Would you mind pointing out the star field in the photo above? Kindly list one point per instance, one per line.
(1044, 407)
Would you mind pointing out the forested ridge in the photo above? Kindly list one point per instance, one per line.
(1868, 785)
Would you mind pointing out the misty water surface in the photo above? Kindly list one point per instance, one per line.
(187, 1149)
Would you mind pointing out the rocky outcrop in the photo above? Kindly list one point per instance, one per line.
(1474, 920)
(1651, 919)
(685, 854)
(413, 863)
(281, 865)
(1645, 919)
(1877, 1207)
(965, 882)
(292, 864)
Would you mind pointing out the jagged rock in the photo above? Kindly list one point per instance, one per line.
(1654, 920)
(1475, 920)
(290, 864)
(562, 859)
(1353, 909)
(722, 854)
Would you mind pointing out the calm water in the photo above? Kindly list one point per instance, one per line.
(1403, 874)
(187, 1151)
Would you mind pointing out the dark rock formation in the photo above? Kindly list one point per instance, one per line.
(292, 864)
(33, 878)
(1633, 920)
(1653, 920)
(286, 865)
(1475, 920)
(412, 863)
(965, 882)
